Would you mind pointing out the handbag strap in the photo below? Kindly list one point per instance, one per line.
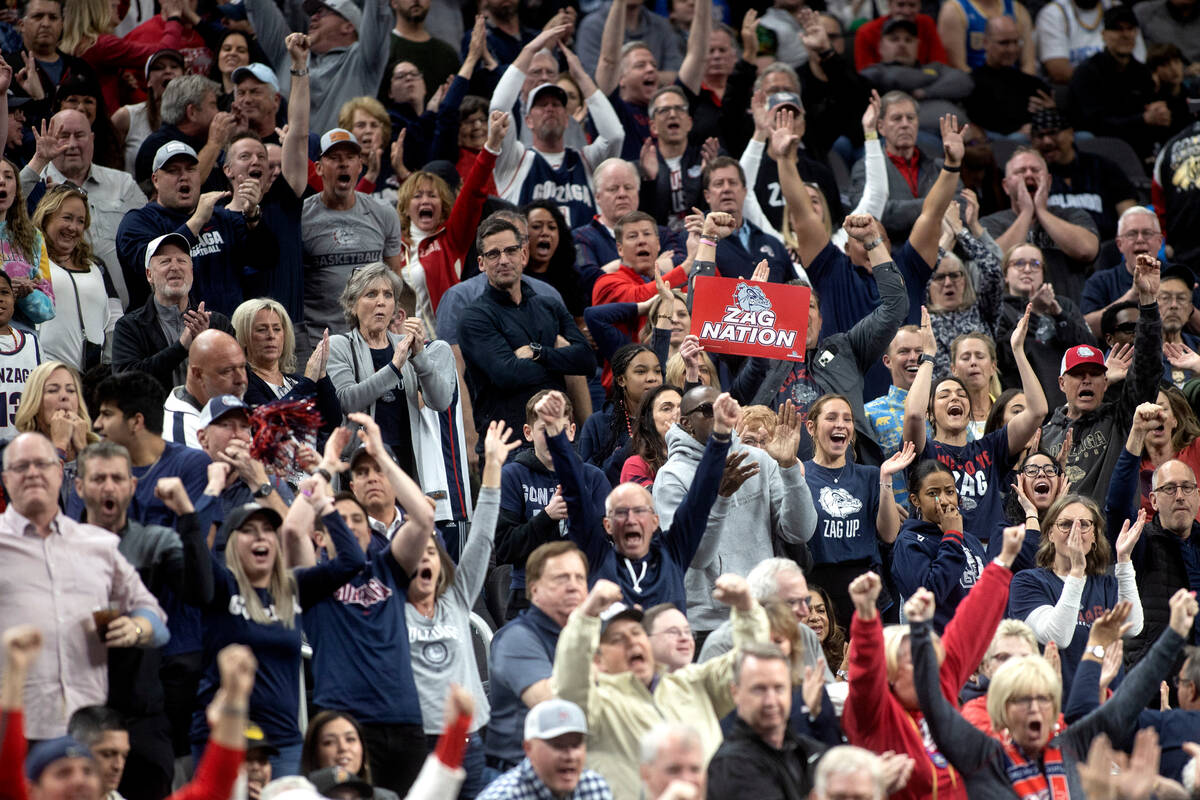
(78, 308)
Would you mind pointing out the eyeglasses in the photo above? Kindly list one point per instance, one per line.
(675, 633)
(1188, 489)
(634, 511)
(1145, 233)
(704, 409)
(45, 465)
(407, 75)
(1176, 299)
(1027, 700)
(797, 603)
(664, 110)
(1028, 264)
(1085, 525)
(493, 256)
(952, 275)
(1034, 470)
(1126, 327)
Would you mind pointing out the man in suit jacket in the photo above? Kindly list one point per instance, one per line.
(155, 338)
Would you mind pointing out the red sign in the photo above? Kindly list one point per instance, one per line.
(750, 318)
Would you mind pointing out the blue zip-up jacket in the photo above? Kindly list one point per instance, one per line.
(227, 257)
(658, 576)
(947, 564)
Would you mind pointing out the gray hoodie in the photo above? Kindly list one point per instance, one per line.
(743, 529)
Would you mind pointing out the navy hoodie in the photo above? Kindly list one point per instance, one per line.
(226, 256)
(946, 564)
(526, 486)
(657, 577)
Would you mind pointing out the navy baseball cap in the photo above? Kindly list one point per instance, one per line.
(219, 406)
(46, 753)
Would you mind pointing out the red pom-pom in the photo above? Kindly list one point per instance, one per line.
(280, 428)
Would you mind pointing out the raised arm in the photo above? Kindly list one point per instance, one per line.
(610, 134)
(783, 144)
(609, 64)
(694, 60)
(295, 142)
(916, 403)
(1022, 427)
(928, 227)
(1076, 241)
(887, 514)
(967, 747)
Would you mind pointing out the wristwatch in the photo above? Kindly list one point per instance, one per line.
(926, 359)
(871, 245)
(1097, 651)
(263, 490)
(536, 347)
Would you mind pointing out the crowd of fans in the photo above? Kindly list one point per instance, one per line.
(357, 443)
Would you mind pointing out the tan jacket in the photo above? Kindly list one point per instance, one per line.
(620, 708)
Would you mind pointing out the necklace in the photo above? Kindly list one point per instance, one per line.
(1095, 22)
(840, 473)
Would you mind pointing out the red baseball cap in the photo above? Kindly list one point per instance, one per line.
(1082, 355)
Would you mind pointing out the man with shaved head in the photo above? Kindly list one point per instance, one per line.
(216, 366)
(627, 546)
(1167, 556)
(110, 192)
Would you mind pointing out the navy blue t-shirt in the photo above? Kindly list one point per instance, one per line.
(281, 210)
(361, 661)
(1032, 588)
(980, 468)
(847, 500)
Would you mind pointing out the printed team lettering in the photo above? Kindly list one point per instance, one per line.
(748, 327)
(562, 193)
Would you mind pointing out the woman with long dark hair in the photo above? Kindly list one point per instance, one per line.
(659, 411)
(23, 252)
(934, 549)
(980, 466)
(605, 440)
(335, 739)
(825, 625)
(552, 254)
(1039, 482)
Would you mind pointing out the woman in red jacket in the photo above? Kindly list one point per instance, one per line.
(440, 229)
(87, 33)
(881, 711)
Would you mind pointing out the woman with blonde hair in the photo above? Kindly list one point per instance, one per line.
(438, 229)
(52, 404)
(1059, 598)
(259, 601)
(88, 33)
(23, 252)
(87, 303)
(368, 120)
(264, 330)
(1024, 699)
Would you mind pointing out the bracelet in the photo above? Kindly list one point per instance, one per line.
(870, 136)
(947, 168)
(324, 473)
(871, 245)
(721, 437)
(299, 73)
(709, 242)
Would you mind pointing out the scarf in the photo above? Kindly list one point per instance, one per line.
(1029, 782)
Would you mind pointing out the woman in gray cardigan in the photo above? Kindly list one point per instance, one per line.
(1024, 698)
(388, 375)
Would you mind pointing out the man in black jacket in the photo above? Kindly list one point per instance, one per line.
(140, 340)
(1097, 427)
(514, 341)
(762, 757)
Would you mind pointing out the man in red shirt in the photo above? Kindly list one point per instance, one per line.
(929, 44)
(638, 250)
(198, 57)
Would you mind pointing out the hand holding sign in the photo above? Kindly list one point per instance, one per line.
(751, 318)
